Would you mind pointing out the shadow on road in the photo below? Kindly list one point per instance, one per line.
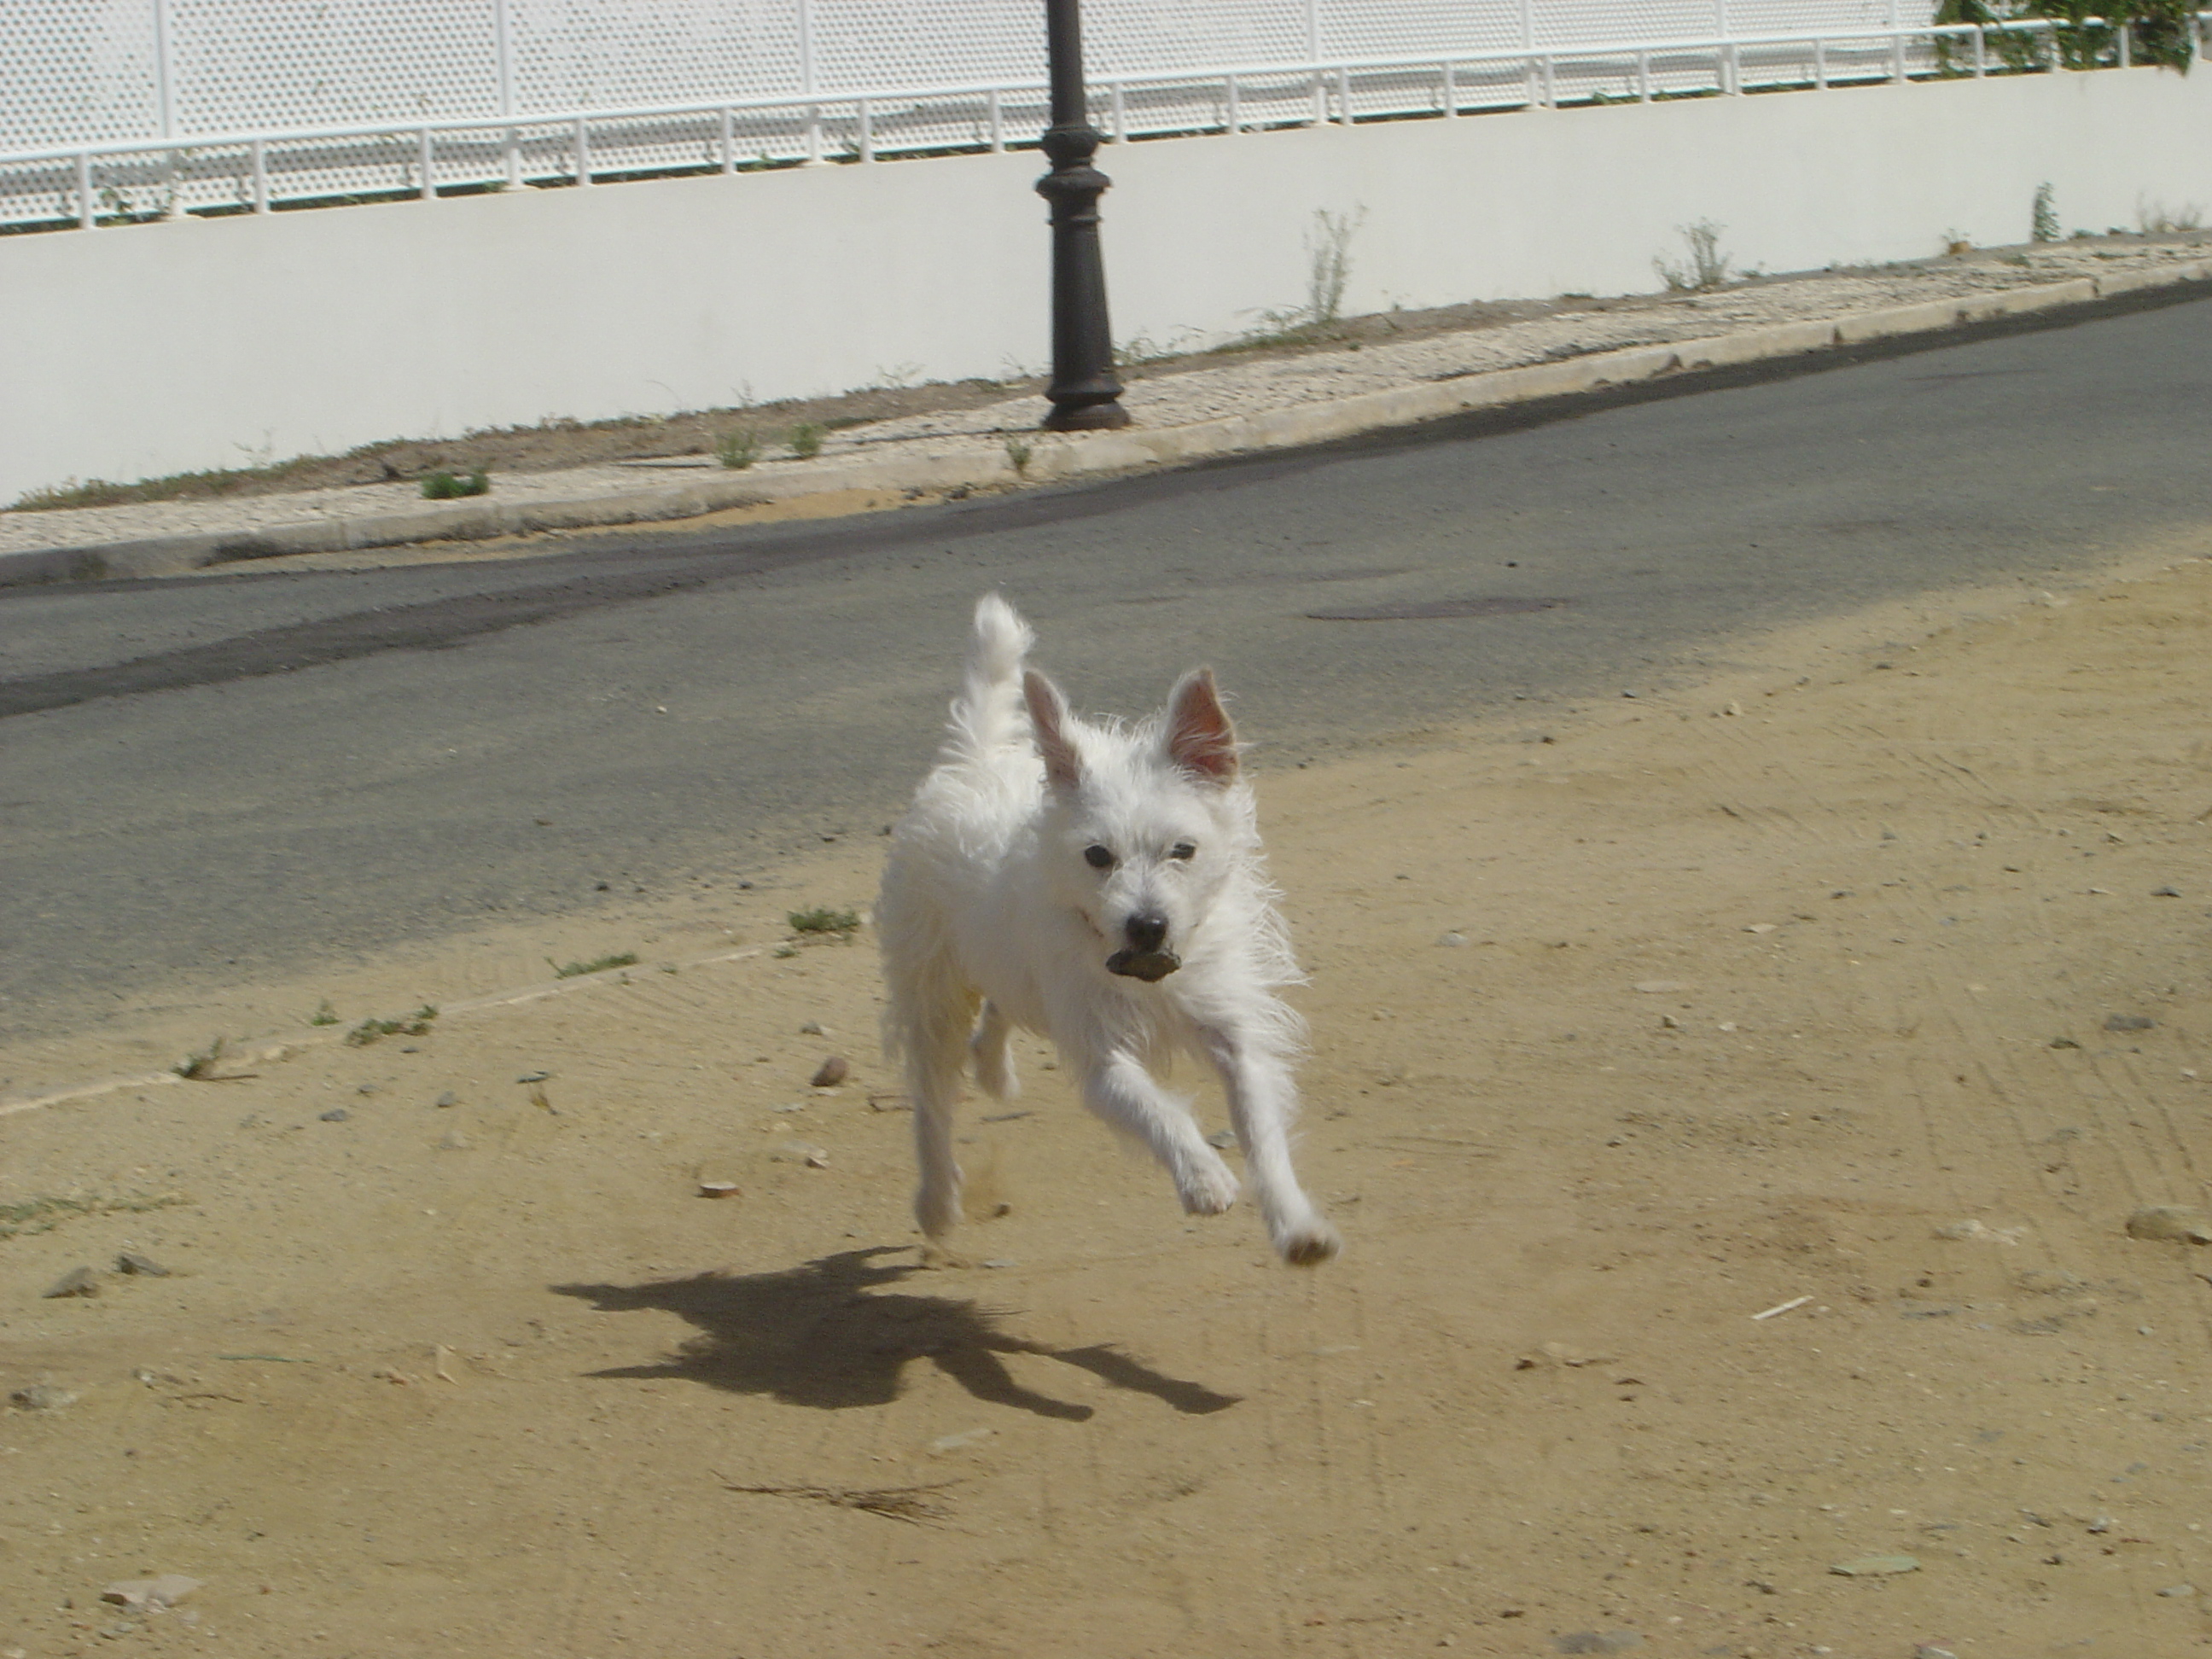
(824, 1335)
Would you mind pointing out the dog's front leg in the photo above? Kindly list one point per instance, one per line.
(1263, 1100)
(1119, 1089)
(935, 1030)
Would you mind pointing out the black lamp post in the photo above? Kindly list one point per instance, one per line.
(1085, 393)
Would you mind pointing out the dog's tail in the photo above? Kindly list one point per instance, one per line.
(987, 716)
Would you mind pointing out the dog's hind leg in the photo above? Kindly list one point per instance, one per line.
(1262, 1101)
(994, 1066)
(1121, 1090)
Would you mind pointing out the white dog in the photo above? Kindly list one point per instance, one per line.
(1101, 885)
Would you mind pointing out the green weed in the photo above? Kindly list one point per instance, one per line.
(370, 1030)
(445, 487)
(806, 440)
(1709, 268)
(2043, 215)
(821, 919)
(201, 1067)
(739, 449)
(43, 1215)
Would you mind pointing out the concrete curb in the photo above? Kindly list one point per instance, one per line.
(1057, 458)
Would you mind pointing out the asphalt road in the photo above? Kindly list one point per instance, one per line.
(263, 771)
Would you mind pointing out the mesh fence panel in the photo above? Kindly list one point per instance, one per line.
(861, 77)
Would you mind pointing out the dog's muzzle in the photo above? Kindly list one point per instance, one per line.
(1151, 966)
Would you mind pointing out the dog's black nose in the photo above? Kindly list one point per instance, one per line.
(1146, 932)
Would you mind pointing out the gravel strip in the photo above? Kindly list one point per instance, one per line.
(1162, 397)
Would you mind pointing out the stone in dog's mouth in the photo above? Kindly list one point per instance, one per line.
(1151, 966)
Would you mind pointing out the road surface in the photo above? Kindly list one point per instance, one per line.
(253, 773)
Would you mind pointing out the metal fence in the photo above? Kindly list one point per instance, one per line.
(116, 111)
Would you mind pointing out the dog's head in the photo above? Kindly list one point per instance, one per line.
(1147, 823)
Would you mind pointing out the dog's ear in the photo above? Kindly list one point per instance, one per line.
(1200, 738)
(1063, 768)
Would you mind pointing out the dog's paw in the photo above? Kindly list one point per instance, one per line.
(1308, 1244)
(937, 1210)
(1208, 1191)
(995, 1075)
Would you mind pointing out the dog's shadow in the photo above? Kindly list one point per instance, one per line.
(824, 1335)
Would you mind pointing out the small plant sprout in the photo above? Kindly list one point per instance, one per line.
(324, 1014)
(44, 1213)
(2043, 215)
(370, 1030)
(1328, 264)
(739, 449)
(597, 965)
(204, 1066)
(2154, 218)
(445, 486)
(1708, 269)
(822, 922)
(806, 440)
(1019, 452)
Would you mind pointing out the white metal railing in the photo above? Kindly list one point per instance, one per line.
(135, 180)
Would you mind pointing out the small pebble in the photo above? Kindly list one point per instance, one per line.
(831, 1072)
(1591, 1641)
(454, 1141)
(1222, 1139)
(798, 1151)
(2179, 1589)
(78, 1281)
(719, 1189)
(1875, 1566)
(1451, 941)
(151, 1595)
(337, 1115)
(2166, 892)
(2129, 1022)
(814, 1028)
(449, 1098)
(533, 1077)
(1926, 1651)
(42, 1397)
(131, 1262)
(2171, 1224)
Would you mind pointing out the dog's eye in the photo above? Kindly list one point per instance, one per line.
(1099, 858)
(1182, 849)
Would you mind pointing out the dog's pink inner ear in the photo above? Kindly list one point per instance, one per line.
(1049, 719)
(1200, 740)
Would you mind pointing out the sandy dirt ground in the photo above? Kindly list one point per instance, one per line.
(1870, 978)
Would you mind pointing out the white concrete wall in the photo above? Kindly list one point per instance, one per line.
(130, 352)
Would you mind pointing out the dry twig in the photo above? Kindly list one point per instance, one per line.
(913, 1504)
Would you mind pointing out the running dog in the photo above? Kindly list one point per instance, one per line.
(1101, 884)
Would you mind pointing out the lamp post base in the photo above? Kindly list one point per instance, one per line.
(1101, 415)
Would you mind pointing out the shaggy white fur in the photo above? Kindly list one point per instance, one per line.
(1102, 884)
